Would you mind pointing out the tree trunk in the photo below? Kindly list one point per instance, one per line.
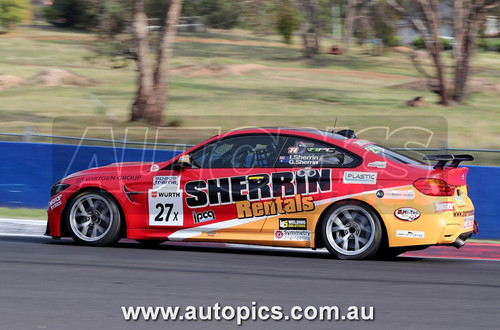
(145, 80)
(311, 27)
(468, 17)
(349, 24)
(468, 36)
(431, 11)
(154, 113)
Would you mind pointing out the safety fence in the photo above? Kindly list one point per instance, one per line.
(28, 170)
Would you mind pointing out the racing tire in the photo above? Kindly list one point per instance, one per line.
(93, 218)
(351, 230)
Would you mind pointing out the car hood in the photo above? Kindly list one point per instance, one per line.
(114, 169)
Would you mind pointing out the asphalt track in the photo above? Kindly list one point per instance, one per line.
(47, 284)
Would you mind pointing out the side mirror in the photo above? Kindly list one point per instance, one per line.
(182, 163)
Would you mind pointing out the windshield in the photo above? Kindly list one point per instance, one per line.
(391, 154)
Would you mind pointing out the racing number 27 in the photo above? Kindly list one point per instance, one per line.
(165, 208)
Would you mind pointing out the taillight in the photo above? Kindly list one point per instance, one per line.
(434, 187)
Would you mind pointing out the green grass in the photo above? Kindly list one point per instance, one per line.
(290, 91)
(23, 213)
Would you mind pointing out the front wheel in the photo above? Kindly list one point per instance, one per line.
(351, 231)
(93, 218)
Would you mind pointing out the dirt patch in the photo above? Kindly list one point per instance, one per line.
(402, 49)
(475, 85)
(238, 42)
(10, 81)
(48, 77)
(59, 77)
(214, 69)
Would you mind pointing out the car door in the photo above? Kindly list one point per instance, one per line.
(226, 178)
(311, 175)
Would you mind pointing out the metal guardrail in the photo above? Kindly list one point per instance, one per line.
(28, 137)
(448, 149)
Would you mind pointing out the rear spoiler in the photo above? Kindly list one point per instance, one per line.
(454, 159)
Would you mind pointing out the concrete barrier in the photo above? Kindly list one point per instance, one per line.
(28, 170)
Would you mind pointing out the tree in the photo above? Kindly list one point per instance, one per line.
(425, 16)
(13, 12)
(311, 28)
(67, 13)
(287, 20)
(152, 93)
(370, 19)
(259, 16)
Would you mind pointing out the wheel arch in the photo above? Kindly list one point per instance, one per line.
(63, 223)
(318, 241)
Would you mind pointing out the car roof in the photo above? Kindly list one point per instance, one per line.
(289, 130)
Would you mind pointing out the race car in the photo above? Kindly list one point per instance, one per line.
(283, 187)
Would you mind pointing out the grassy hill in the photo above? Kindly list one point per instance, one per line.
(227, 79)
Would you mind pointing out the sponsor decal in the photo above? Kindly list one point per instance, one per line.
(167, 181)
(155, 168)
(377, 164)
(374, 149)
(203, 216)
(360, 177)
(399, 194)
(292, 235)
(243, 191)
(407, 214)
(327, 150)
(469, 222)
(55, 202)
(380, 193)
(307, 171)
(410, 234)
(165, 207)
(247, 209)
(444, 206)
(463, 214)
(362, 142)
(110, 178)
(293, 150)
(168, 194)
(297, 224)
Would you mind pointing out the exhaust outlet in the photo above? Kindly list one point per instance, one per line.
(458, 243)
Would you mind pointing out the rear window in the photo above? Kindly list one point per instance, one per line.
(391, 154)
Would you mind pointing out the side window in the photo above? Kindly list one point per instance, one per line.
(241, 152)
(299, 152)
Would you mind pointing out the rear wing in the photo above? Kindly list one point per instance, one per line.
(443, 159)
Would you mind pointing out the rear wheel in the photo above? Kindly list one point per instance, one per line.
(93, 218)
(351, 231)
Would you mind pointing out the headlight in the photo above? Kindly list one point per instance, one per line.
(57, 188)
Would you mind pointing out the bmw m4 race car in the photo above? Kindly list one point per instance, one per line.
(276, 187)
